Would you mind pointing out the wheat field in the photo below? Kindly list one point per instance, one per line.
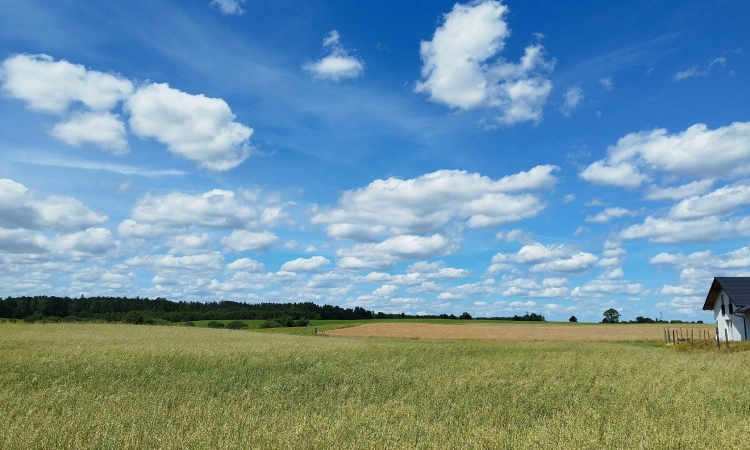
(557, 332)
(93, 386)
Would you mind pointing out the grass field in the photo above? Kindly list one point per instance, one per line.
(127, 386)
(515, 331)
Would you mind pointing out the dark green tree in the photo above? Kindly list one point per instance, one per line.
(611, 316)
(573, 319)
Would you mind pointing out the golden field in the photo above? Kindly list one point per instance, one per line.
(94, 386)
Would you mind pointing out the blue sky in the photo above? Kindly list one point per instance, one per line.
(420, 157)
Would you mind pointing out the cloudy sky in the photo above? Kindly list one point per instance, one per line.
(420, 157)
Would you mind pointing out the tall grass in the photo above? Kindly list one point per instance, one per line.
(120, 386)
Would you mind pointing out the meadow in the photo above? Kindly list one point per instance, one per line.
(129, 386)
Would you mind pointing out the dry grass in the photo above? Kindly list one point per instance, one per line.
(134, 387)
(514, 332)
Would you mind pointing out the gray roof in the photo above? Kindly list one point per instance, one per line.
(737, 288)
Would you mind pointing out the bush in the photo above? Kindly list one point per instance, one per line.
(301, 322)
(34, 318)
(133, 317)
(270, 324)
(215, 324)
(189, 324)
(71, 319)
(573, 319)
(236, 325)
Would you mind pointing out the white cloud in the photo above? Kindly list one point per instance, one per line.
(246, 265)
(695, 71)
(187, 244)
(92, 241)
(622, 175)
(249, 241)
(338, 64)
(679, 192)
(577, 263)
(155, 215)
(462, 67)
(436, 270)
(291, 245)
(606, 83)
(717, 203)
(424, 204)
(53, 86)
(573, 97)
(101, 129)
(19, 208)
(390, 251)
(229, 6)
(196, 127)
(608, 287)
(169, 264)
(609, 214)
(697, 151)
(706, 229)
(312, 264)
(386, 290)
(569, 198)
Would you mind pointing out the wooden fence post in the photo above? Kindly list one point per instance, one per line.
(718, 342)
(726, 338)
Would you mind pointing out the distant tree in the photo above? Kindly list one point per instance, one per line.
(465, 316)
(573, 319)
(214, 324)
(611, 316)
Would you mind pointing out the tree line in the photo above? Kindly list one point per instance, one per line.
(145, 310)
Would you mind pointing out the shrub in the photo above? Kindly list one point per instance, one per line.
(303, 322)
(71, 319)
(236, 325)
(215, 324)
(133, 317)
(34, 318)
(189, 324)
(270, 324)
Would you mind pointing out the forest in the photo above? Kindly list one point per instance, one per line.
(115, 309)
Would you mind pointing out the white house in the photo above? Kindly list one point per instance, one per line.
(729, 299)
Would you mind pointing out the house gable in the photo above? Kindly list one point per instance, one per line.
(736, 288)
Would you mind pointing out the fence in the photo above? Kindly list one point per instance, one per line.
(674, 336)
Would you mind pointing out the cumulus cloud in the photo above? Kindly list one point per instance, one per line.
(100, 129)
(697, 151)
(609, 214)
(306, 264)
(573, 97)
(557, 258)
(717, 203)
(169, 264)
(337, 64)
(462, 67)
(426, 203)
(20, 208)
(187, 244)
(679, 192)
(601, 287)
(53, 86)
(577, 263)
(246, 265)
(196, 127)
(670, 231)
(249, 241)
(385, 254)
(229, 6)
(156, 215)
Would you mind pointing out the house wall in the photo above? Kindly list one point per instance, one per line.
(733, 323)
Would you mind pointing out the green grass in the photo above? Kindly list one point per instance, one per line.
(126, 386)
